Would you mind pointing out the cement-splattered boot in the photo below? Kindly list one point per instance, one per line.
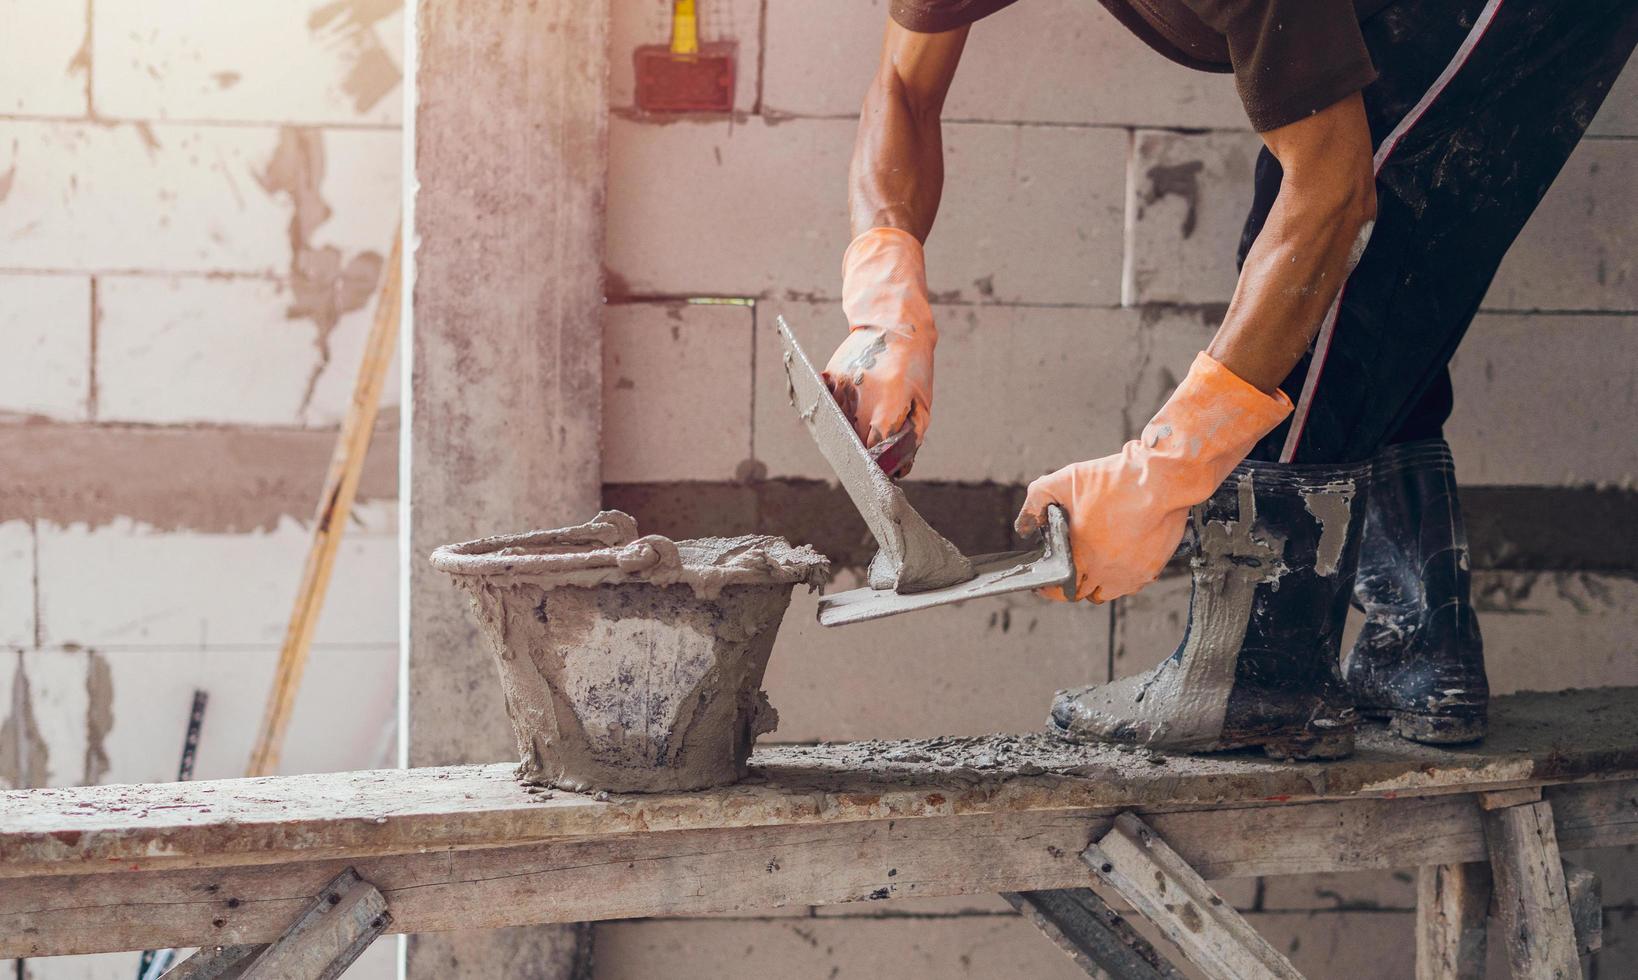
(1419, 661)
(1272, 556)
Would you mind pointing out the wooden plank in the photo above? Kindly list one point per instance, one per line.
(1532, 902)
(1452, 908)
(1586, 895)
(742, 869)
(332, 932)
(335, 506)
(1164, 889)
(1547, 738)
(1093, 934)
(216, 963)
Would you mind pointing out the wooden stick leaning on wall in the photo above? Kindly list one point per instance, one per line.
(334, 508)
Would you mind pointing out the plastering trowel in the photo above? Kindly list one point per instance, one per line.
(915, 567)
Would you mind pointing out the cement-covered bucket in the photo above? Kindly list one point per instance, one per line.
(632, 663)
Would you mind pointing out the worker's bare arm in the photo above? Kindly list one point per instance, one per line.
(898, 158)
(1314, 235)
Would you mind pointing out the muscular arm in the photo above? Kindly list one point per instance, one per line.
(898, 159)
(1313, 236)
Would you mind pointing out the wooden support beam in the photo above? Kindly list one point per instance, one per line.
(625, 874)
(1532, 901)
(1093, 934)
(329, 935)
(1586, 908)
(1452, 908)
(1164, 889)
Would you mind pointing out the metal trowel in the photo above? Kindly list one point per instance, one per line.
(915, 568)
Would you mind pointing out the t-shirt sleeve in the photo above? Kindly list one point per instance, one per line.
(937, 16)
(1291, 58)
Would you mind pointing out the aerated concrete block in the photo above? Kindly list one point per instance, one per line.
(1084, 68)
(1580, 249)
(185, 198)
(973, 668)
(1030, 213)
(676, 391)
(1519, 419)
(251, 61)
(1187, 197)
(1555, 630)
(45, 331)
(16, 584)
(1018, 391)
(180, 589)
(44, 63)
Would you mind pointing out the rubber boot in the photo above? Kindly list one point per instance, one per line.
(1272, 556)
(1419, 661)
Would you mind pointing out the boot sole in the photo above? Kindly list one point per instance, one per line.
(1301, 745)
(1437, 729)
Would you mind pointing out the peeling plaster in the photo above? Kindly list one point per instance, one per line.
(352, 24)
(99, 717)
(24, 756)
(325, 287)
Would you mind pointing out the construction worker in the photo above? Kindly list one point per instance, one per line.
(1406, 144)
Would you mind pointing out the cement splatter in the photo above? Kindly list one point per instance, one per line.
(25, 758)
(99, 717)
(1331, 506)
(325, 286)
(351, 24)
(1181, 180)
(6, 180)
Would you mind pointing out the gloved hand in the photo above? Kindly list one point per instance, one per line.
(882, 374)
(1127, 512)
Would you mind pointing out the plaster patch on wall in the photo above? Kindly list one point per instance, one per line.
(324, 285)
(352, 23)
(99, 717)
(24, 755)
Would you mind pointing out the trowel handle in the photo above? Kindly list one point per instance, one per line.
(1056, 538)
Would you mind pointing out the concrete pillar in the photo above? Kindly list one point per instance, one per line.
(510, 161)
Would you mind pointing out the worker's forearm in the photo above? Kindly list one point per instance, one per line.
(898, 159)
(1291, 276)
(897, 175)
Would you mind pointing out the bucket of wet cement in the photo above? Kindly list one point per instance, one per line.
(630, 663)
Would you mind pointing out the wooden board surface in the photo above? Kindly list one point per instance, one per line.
(1537, 738)
(743, 870)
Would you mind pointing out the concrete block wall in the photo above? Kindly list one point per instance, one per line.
(195, 203)
(1084, 252)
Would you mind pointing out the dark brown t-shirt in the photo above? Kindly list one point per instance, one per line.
(1290, 58)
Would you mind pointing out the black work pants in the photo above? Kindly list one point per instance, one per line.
(1477, 107)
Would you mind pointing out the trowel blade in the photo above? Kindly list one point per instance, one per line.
(1013, 571)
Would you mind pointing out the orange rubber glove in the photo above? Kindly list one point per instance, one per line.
(1127, 512)
(882, 374)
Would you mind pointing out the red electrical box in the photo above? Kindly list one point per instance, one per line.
(702, 81)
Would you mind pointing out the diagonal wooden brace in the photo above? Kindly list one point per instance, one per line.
(1093, 934)
(1164, 889)
(1532, 899)
(321, 944)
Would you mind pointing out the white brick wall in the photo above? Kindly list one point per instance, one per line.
(45, 345)
(676, 391)
(125, 585)
(983, 666)
(1546, 400)
(251, 60)
(41, 74)
(1032, 212)
(16, 584)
